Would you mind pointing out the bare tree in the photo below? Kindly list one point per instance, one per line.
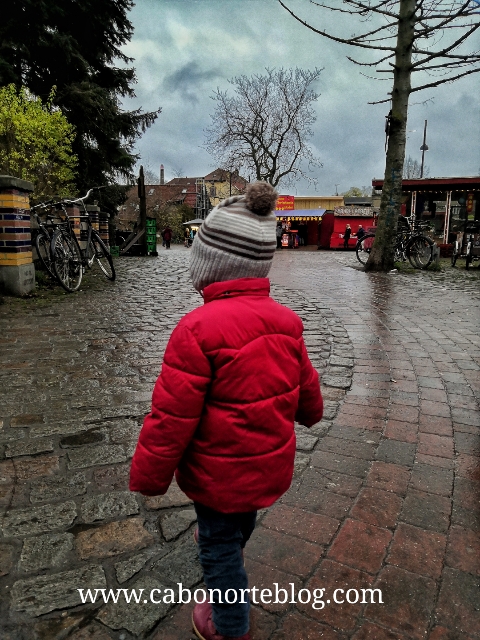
(178, 172)
(407, 36)
(151, 177)
(412, 169)
(263, 130)
(358, 192)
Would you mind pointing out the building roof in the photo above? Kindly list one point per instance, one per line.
(183, 181)
(223, 175)
(364, 201)
(441, 184)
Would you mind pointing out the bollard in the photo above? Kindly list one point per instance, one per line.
(103, 224)
(17, 271)
(78, 225)
(93, 213)
(436, 255)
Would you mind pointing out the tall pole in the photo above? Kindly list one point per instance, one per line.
(143, 210)
(423, 148)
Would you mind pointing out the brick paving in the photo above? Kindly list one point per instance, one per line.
(386, 489)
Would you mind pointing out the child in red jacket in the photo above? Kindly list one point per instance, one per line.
(235, 377)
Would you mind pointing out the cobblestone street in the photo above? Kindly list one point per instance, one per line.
(386, 493)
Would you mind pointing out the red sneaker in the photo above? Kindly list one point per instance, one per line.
(205, 629)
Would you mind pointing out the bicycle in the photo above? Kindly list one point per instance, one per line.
(410, 243)
(69, 259)
(43, 239)
(95, 248)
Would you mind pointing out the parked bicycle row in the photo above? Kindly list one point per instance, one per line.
(411, 243)
(62, 253)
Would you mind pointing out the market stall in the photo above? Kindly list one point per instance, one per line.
(356, 217)
(300, 227)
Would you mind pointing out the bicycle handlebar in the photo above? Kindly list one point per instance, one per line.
(41, 205)
(84, 197)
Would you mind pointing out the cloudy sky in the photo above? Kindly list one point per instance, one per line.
(185, 49)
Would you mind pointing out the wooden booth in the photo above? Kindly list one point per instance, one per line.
(355, 216)
(449, 204)
(300, 227)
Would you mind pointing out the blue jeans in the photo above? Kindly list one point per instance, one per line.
(221, 538)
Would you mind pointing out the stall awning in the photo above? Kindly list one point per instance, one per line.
(300, 213)
(197, 222)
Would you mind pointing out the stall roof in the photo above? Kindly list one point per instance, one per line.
(440, 184)
(364, 201)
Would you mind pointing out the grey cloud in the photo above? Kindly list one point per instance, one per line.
(189, 80)
(200, 44)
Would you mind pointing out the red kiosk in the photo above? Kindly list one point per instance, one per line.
(355, 216)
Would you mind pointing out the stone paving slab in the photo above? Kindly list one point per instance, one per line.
(386, 486)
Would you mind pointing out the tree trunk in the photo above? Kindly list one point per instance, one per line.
(382, 254)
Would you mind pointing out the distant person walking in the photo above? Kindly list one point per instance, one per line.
(279, 232)
(360, 233)
(346, 236)
(167, 236)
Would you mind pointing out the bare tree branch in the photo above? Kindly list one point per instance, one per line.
(376, 8)
(370, 64)
(330, 37)
(381, 101)
(445, 81)
(454, 45)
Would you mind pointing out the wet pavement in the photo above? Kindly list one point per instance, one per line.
(387, 485)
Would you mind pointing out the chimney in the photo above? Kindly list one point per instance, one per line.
(162, 174)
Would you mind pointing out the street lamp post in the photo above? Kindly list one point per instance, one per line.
(423, 148)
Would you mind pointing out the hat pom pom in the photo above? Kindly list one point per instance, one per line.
(260, 198)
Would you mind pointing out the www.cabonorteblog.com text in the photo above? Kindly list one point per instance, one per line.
(317, 598)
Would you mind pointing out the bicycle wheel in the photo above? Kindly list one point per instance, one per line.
(420, 252)
(90, 255)
(42, 245)
(364, 247)
(468, 256)
(67, 261)
(398, 253)
(103, 257)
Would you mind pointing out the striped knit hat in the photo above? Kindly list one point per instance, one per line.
(237, 239)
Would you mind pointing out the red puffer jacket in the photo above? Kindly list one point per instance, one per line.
(235, 376)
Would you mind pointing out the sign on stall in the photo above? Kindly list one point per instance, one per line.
(361, 212)
(285, 203)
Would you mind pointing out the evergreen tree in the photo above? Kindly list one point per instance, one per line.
(76, 48)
